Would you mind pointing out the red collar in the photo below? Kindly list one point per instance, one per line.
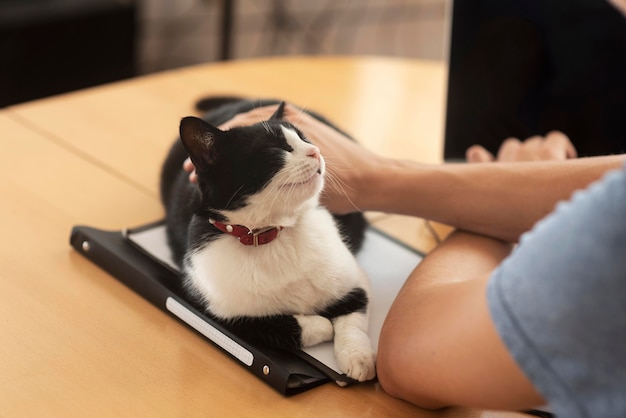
(249, 236)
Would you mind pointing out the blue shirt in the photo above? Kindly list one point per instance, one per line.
(559, 302)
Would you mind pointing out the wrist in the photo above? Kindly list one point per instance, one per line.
(380, 185)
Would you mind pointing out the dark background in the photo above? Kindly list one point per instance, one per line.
(53, 46)
(525, 67)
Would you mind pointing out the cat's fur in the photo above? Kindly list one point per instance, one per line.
(298, 290)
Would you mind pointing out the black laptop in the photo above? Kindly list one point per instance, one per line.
(524, 67)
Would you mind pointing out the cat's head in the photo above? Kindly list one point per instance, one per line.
(256, 174)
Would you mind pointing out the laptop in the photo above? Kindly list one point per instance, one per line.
(519, 68)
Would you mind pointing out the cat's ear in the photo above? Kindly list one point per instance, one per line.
(198, 138)
(279, 112)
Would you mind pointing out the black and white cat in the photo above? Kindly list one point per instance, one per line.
(257, 250)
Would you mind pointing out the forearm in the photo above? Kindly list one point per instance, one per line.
(438, 345)
(501, 200)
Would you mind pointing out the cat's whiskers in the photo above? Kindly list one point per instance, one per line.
(268, 201)
(291, 182)
(263, 123)
(266, 126)
(301, 112)
(337, 184)
(233, 195)
(285, 196)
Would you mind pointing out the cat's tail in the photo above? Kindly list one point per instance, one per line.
(206, 104)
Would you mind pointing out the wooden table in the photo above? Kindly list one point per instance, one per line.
(76, 342)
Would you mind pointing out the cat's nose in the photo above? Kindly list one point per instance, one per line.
(314, 153)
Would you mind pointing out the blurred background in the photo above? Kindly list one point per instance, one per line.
(53, 46)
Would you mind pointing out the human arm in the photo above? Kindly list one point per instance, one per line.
(556, 302)
(438, 346)
(501, 200)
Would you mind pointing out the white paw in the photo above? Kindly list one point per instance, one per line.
(315, 329)
(353, 348)
(359, 364)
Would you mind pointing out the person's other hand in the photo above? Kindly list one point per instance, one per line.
(619, 4)
(554, 146)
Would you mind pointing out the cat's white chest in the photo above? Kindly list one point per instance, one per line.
(299, 272)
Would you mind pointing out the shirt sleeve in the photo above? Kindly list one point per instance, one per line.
(559, 302)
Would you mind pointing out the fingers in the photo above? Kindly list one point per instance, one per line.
(257, 115)
(560, 142)
(191, 169)
(188, 165)
(511, 149)
(478, 154)
(554, 146)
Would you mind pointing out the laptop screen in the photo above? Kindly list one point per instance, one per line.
(525, 67)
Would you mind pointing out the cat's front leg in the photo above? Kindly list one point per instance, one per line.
(353, 348)
(315, 329)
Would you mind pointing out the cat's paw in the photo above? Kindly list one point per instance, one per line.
(315, 329)
(358, 364)
(353, 351)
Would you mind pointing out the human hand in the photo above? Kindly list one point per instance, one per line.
(348, 164)
(554, 146)
(620, 5)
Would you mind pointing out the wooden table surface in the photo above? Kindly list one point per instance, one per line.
(76, 342)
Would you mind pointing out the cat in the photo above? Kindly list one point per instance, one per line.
(257, 251)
